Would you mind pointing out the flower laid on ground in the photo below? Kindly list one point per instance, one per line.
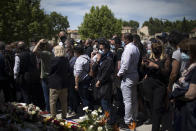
(94, 121)
(62, 124)
(18, 115)
(99, 110)
(100, 128)
(94, 113)
(85, 109)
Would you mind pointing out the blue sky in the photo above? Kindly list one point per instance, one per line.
(139, 10)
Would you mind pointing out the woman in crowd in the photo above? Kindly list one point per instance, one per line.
(184, 92)
(155, 82)
(58, 81)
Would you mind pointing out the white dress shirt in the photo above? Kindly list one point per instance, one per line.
(16, 66)
(129, 61)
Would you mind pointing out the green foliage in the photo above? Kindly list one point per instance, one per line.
(100, 22)
(24, 20)
(158, 25)
(131, 23)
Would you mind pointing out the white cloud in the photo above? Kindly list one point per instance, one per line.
(126, 9)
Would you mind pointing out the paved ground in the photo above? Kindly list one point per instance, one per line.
(144, 128)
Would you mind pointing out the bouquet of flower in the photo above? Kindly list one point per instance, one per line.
(94, 120)
(15, 115)
(27, 112)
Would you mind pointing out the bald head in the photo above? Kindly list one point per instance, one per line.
(62, 33)
(62, 36)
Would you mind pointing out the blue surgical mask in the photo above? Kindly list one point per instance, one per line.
(149, 52)
(184, 56)
(112, 47)
(101, 52)
(123, 44)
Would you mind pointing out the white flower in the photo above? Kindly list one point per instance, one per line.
(85, 109)
(66, 122)
(100, 128)
(62, 124)
(33, 112)
(94, 113)
(82, 118)
(100, 110)
(90, 128)
(37, 108)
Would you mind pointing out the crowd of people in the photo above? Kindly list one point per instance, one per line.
(151, 83)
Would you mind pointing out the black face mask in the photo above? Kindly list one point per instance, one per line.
(156, 51)
(63, 39)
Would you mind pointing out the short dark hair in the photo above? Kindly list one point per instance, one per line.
(104, 42)
(2, 45)
(136, 38)
(70, 41)
(128, 36)
(78, 48)
(176, 37)
(117, 40)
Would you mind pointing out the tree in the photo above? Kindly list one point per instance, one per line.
(131, 23)
(24, 20)
(156, 25)
(58, 23)
(100, 22)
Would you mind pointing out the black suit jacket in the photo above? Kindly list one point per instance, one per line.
(103, 71)
(59, 73)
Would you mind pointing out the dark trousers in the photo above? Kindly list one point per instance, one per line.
(73, 98)
(46, 93)
(6, 89)
(23, 87)
(84, 94)
(154, 93)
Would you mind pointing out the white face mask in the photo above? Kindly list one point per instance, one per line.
(101, 52)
